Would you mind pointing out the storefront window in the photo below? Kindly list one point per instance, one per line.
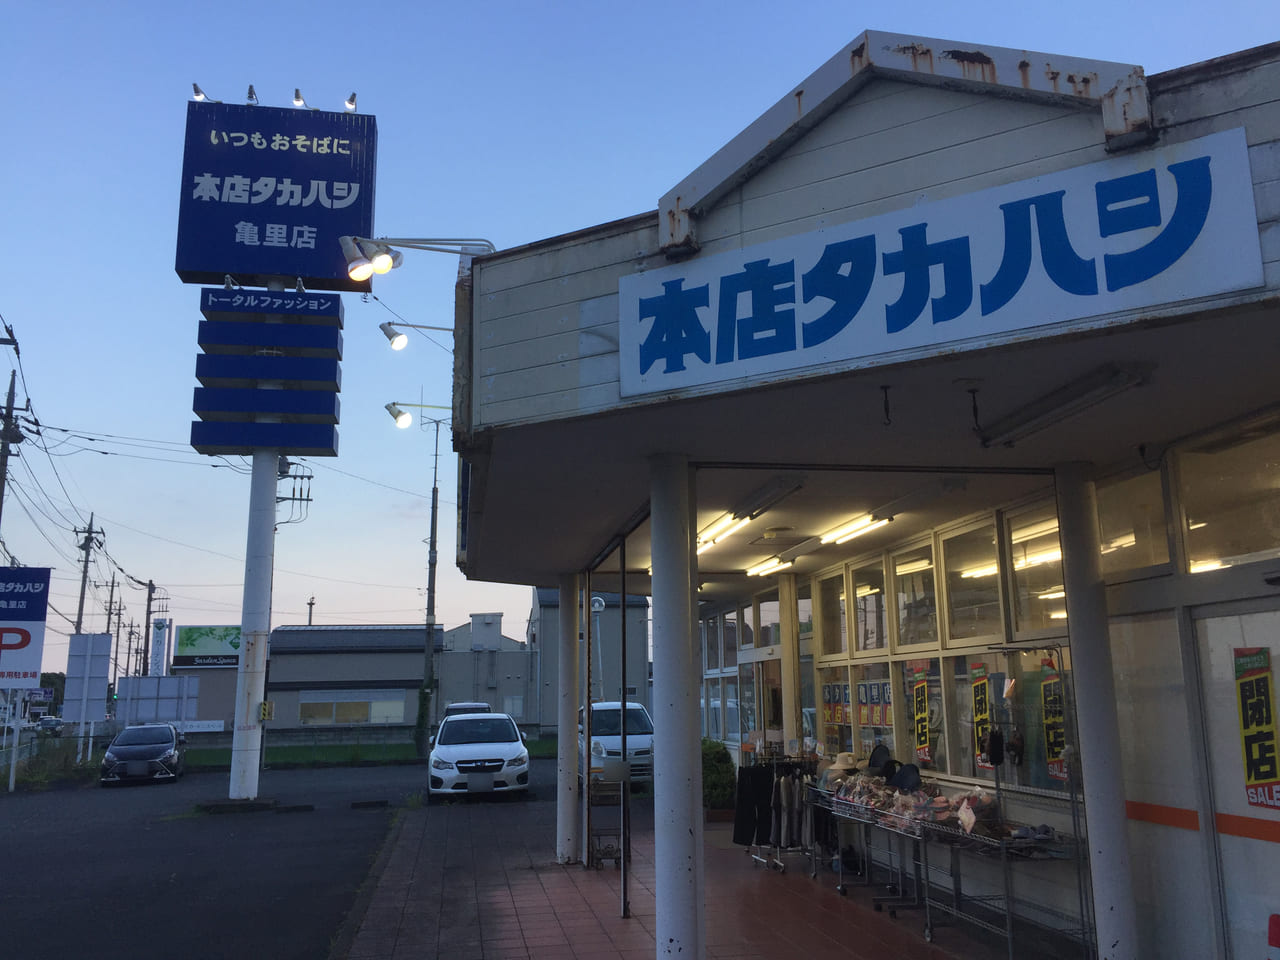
(873, 707)
(769, 620)
(835, 728)
(975, 705)
(831, 613)
(771, 701)
(1131, 523)
(920, 693)
(804, 616)
(808, 706)
(747, 703)
(973, 583)
(710, 646)
(869, 607)
(732, 723)
(729, 633)
(747, 634)
(1231, 502)
(1042, 724)
(917, 601)
(1037, 571)
(712, 709)
(351, 712)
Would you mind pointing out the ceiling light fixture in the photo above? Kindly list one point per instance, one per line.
(912, 566)
(859, 531)
(772, 565)
(752, 507)
(1066, 401)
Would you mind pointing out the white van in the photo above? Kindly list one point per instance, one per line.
(467, 706)
(606, 739)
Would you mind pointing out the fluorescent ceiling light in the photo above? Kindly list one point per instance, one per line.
(986, 570)
(851, 528)
(865, 590)
(1037, 559)
(1066, 401)
(1058, 615)
(876, 525)
(1031, 531)
(772, 565)
(1056, 594)
(912, 566)
(1201, 566)
(1119, 543)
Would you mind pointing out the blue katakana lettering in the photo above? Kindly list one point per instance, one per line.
(676, 329)
(843, 274)
(765, 329)
(1062, 264)
(913, 262)
(1118, 214)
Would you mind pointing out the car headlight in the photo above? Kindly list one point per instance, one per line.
(108, 757)
(439, 764)
(170, 757)
(519, 761)
(597, 748)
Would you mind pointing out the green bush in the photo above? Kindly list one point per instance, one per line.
(718, 775)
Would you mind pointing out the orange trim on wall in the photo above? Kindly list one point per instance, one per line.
(1251, 828)
(1179, 817)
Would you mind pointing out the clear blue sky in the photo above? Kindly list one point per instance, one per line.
(511, 121)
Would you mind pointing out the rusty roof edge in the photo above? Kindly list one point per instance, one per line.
(1003, 71)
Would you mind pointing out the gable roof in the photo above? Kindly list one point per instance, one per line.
(1118, 89)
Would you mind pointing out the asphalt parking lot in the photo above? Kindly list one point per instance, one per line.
(137, 871)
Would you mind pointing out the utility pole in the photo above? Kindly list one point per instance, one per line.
(86, 545)
(111, 599)
(146, 632)
(9, 432)
(422, 731)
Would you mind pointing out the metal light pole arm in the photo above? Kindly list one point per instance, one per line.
(459, 245)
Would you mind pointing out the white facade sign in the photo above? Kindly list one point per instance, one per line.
(1153, 227)
(84, 697)
(24, 600)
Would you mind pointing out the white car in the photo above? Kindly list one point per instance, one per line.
(606, 741)
(478, 753)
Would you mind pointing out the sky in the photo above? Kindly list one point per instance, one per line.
(509, 121)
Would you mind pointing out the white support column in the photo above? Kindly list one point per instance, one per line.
(568, 826)
(677, 752)
(255, 626)
(789, 624)
(1097, 717)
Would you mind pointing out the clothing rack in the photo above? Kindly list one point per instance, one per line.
(771, 815)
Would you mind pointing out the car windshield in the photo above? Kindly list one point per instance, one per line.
(478, 730)
(137, 736)
(604, 722)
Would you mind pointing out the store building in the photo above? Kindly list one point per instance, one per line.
(603, 620)
(954, 368)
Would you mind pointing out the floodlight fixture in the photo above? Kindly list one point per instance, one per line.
(397, 339)
(298, 101)
(251, 97)
(200, 96)
(381, 257)
(358, 265)
(350, 102)
(402, 417)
